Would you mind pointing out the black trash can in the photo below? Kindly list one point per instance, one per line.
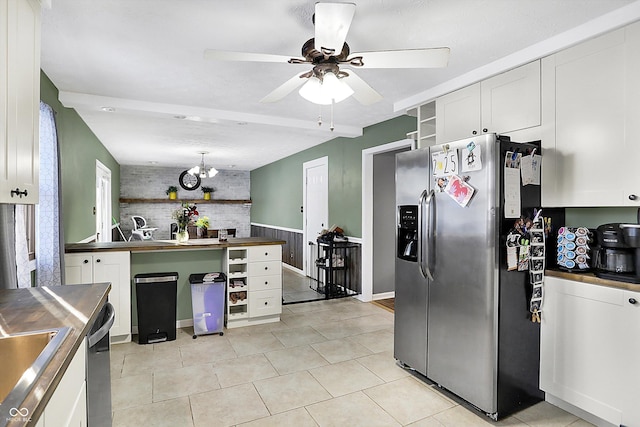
(156, 295)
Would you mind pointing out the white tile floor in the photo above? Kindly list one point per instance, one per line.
(327, 363)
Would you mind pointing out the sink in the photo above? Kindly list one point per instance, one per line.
(24, 357)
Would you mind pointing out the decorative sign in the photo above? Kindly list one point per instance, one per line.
(445, 163)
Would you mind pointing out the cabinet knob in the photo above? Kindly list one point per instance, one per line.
(266, 303)
(266, 283)
(266, 268)
(633, 197)
(474, 132)
(86, 261)
(632, 300)
(266, 253)
(484, 130)
(98, 260)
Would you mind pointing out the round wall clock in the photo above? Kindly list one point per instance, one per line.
(189, 182)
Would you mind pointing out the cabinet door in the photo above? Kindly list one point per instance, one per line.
(20, 100)
(68, 402)
(631, 174)
(114, 267)
(458, 114)
(581, 346)
(78, 269)
(511, 100)
(584, 124)
(631, 354)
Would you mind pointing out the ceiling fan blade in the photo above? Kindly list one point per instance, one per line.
(286, 88)
(223, 55)
(408, 58)
(362, 92)
(332, 21)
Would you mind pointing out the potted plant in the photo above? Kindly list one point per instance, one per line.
(203, 224)
(207, 192)
(172, 192)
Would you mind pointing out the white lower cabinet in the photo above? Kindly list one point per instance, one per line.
(68, 404)
(589, 349)
(101, 267)
(254, 285)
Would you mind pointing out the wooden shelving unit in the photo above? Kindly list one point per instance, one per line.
(198, 201)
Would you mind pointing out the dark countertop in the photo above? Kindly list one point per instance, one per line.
(31, 309)
(163, 245)
(590, 278)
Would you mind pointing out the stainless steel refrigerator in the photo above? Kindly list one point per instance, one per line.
(461, 319)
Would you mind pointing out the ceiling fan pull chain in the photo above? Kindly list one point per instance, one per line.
(319, 115)
(331, 124)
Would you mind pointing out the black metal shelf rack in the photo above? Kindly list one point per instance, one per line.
(334, 280)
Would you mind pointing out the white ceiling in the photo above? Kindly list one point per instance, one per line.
(144, 58)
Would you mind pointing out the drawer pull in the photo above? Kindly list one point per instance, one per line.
(266, 283)
(266, 268)
(266, 254)
(266, 303)
(633, 197)
(632, 300)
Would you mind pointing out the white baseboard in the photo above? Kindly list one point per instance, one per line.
(384, 295)
(292, 268)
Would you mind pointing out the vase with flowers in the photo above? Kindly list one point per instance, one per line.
(184, 216)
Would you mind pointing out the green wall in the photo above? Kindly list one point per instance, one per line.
(79, 149)
(184, 263)
(276, 189)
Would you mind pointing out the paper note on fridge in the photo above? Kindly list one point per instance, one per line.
(511, 192)
(530, 169)
(445, 163)
(471, 158)
(459, 190)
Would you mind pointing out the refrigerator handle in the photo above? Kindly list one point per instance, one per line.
(430, 203)
(423, 251)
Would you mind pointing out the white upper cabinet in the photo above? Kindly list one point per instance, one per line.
(590, 108)
(19, 100)
(504, 103)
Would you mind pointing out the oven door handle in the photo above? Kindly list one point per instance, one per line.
(94, 338)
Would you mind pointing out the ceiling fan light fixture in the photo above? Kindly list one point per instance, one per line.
(324, 92)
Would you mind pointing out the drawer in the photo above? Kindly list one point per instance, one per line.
(265, 268)
(260, 283)
(265, 253)
(265, 303)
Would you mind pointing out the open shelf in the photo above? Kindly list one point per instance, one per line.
(199, 201)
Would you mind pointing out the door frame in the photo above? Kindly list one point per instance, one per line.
(367, 212)
(322, 161)
(103, 210)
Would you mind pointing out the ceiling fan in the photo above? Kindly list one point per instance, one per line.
(328, 82)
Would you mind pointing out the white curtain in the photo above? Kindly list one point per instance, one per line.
(23, 268)
(49, 249)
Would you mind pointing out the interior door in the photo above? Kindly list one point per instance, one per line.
(316, 207)
(103, 203)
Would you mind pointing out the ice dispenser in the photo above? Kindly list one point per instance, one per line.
(408, 232)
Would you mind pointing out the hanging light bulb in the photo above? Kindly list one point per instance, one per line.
(329, 90)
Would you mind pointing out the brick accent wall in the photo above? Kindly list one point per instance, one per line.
(151, 182)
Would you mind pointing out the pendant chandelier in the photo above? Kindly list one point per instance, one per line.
(201, 170)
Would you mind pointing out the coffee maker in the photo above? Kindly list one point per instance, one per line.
(617, 256)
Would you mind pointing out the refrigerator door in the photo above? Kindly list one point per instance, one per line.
(410, 327)
(462, 326)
